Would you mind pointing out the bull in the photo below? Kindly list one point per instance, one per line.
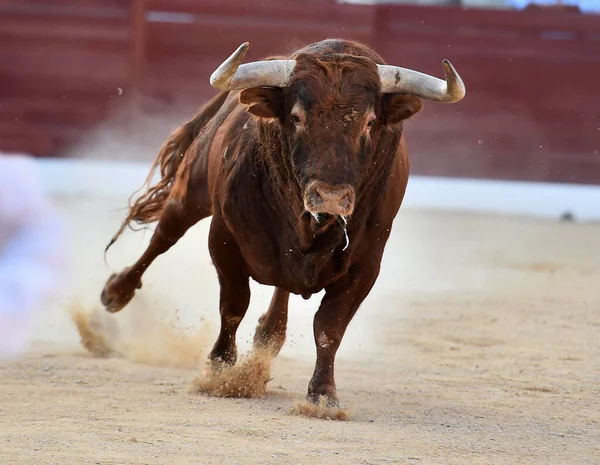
(301, 162)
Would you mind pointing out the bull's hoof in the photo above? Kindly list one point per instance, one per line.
(218, 365)
(328, 393)
(118, 292)
(222, 357)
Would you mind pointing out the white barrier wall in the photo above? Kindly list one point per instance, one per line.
(110, 179)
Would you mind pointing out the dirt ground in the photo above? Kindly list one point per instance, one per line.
(480, 344)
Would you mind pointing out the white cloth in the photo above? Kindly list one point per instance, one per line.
(32, 251)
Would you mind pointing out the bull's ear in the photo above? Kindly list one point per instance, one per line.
(263, 101)
(398, 107)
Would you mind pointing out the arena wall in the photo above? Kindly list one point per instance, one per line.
(531, 111)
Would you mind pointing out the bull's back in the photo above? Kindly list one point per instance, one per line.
(208, 149)
(230, 140)
(220, 150)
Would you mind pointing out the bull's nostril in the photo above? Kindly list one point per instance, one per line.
(320, 193)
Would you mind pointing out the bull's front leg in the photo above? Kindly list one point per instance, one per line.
(340, 303)
(235, 292)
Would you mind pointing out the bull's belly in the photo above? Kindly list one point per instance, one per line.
(296, 276)
(294, 286)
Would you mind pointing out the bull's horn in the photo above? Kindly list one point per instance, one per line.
(233, 75)
(395, 79)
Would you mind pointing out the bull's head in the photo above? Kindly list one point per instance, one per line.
(332, 109)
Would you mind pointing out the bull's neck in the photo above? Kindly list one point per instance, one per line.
(278, 173)
(278, 170)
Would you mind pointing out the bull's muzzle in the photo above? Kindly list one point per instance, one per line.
(321, 197)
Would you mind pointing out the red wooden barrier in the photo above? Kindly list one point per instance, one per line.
(531, 110)
(61, 64)
(187, 40)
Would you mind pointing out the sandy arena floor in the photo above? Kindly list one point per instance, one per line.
(480, 344)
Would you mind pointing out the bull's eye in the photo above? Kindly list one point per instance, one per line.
(295, 119)
(371, 123)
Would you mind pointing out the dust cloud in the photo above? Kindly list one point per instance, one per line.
(94, 338)
(152, 341)
(147, 339)
(248, 378)
(321, 410)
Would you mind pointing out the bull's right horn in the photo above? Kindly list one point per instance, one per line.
(396, 80)
(233, 75)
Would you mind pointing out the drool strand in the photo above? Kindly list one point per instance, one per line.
(344, 225)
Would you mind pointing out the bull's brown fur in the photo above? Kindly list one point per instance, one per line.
(256, 160)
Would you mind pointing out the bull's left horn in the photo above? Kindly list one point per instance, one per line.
(396, 80)
(233, 75)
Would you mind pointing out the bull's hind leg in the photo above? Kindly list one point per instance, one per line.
(271, 329)
(176, 218)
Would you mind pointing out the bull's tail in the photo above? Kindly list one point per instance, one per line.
(173, 171)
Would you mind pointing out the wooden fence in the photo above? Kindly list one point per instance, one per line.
(532, 110)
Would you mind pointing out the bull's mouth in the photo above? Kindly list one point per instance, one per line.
(322, 217)
(329, 204)
(321, 222)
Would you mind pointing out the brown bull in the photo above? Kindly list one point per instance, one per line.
(302, 164)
